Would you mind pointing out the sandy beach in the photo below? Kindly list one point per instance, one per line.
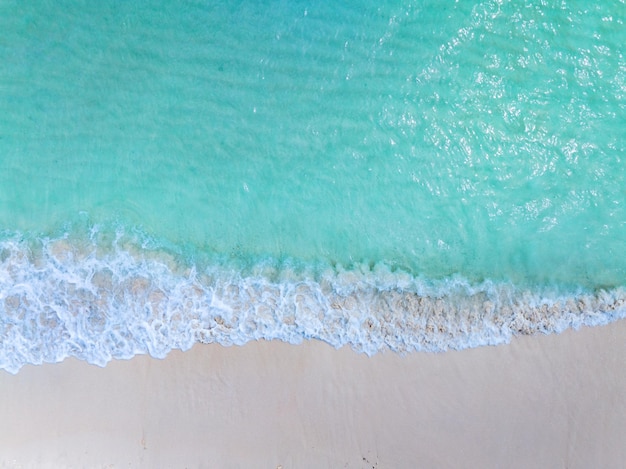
(542, 401)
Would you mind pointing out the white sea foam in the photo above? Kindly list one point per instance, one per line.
(60, 300)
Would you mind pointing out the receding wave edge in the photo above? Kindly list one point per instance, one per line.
(63, 301)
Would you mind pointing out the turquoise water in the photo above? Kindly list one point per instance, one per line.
(405, 175)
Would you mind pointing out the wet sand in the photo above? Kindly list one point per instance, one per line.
(542, 401)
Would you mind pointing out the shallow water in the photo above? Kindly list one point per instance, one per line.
(419, 176)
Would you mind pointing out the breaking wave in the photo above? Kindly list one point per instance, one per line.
(60, 297)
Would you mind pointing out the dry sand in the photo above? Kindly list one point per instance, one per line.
(545, 401)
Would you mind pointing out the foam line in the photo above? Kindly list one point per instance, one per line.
(62, 300)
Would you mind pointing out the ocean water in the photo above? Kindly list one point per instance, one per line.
(408, 175)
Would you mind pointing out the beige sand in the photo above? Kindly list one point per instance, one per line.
(544, 401)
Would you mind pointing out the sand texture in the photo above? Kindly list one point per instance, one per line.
(543, 401)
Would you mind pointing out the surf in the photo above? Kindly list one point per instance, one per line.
(60, 298)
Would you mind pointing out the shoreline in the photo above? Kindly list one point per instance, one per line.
(97, 307)
(540, 401)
